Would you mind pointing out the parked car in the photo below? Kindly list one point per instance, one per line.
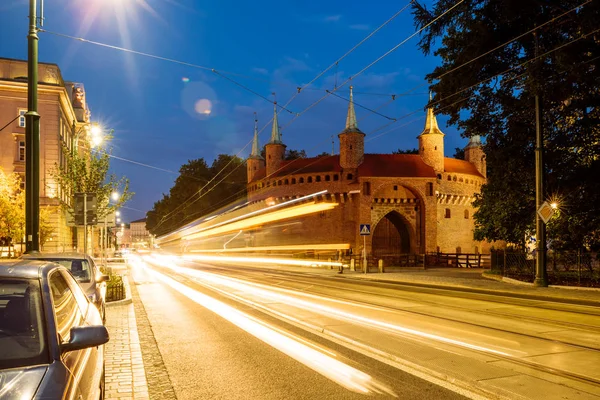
(84, 269)
(51, 335)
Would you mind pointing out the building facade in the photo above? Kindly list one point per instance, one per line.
(414, 203)
(140, 236)
(64, 119)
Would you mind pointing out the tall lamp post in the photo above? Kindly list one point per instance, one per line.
(32, 139)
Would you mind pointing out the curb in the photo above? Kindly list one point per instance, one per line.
(127, 299)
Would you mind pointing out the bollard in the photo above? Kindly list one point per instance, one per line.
(380, 264)
(352, 267)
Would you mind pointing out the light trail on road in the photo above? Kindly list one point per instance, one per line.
(277, 294)
(295, 347)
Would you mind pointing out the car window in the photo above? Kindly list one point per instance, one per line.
(80, 269)
(22, 338)
(66, 310)
(80, 297)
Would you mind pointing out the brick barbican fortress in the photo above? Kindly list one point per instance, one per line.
(414, 203)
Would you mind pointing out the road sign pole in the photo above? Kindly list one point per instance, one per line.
(365, 252)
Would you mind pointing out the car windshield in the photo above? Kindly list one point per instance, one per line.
(79, 268)
(22, 340)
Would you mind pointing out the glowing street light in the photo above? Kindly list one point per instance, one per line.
(115, 196)
(118, 213)
(554, 205)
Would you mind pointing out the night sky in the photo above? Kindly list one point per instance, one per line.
(164, 113)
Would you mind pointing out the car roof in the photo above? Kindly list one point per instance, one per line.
(24, 269)
(54, 256)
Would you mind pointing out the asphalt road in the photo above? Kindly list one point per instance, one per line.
(468, 343)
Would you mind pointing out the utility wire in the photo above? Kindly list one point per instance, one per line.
(361, 106)
(13, 120)
(374, 62)
(172, 60)
(502, 45)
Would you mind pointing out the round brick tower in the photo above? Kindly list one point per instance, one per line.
(255, 162)
(474, 154)
(431, 143)
(352, 140)
(275, 149)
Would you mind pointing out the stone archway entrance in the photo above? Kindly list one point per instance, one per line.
(391, 237)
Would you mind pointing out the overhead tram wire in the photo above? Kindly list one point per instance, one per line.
(363, 107)
(166, 217)
(172, 60)
(299, 89)
(502, 45)
(486, 89)
(374, 62)
(364, 69)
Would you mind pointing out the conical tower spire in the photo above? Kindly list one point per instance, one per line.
(351, 124)
(275, 134)
(255, 149)
(431, 125)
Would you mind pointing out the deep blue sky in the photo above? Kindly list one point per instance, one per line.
(274, 46)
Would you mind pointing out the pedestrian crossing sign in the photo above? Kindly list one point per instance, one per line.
(365, 229)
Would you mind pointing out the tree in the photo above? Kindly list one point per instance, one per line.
(290, 154)
(12, 208)
(197, 191)
(408, 151)
(87, 172)
(12, 212)
(459, 153)
(323, 154)
(492, 94)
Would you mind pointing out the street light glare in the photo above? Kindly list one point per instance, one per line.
(115, 196)
(118, 213)
(554, 205)
(96, 130)
(96, 141)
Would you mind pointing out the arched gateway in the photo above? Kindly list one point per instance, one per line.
(391, 237)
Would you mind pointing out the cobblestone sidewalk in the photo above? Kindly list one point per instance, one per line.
(125, 373)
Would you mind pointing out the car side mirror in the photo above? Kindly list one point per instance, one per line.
(84, 337)
(103, 278)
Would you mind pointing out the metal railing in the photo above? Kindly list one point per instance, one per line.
(570, 268)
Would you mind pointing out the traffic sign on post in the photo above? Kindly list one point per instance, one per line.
(365, 229)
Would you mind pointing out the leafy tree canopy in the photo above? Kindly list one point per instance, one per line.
(87, 172)
(491, 92)
(197, 191)
(12, 212)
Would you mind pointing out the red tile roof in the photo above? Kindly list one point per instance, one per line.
(460, 167)
(384, 165)
(304, 166)
(395, 165)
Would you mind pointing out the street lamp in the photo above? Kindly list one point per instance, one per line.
(115, 196)
(32, 139)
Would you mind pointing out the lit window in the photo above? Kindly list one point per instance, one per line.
(22, 150)
(22, 112)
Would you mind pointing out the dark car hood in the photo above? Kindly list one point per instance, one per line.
(21, 383)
